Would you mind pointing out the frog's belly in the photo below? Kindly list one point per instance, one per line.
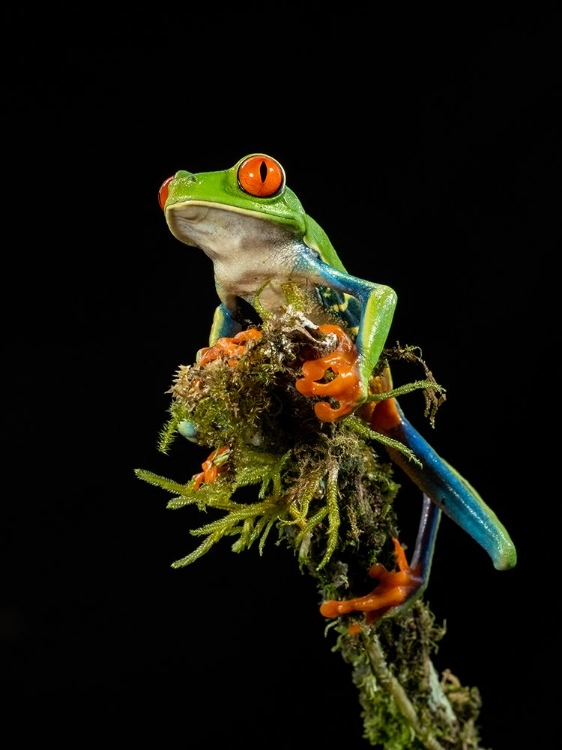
(250, 256)
(257, 263)
(268, 282)
(272, 296)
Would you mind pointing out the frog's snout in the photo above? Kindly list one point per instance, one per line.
(165, 186)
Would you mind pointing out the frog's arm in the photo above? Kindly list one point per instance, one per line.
(377, 303)
(224, 325)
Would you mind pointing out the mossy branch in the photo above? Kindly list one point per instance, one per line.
(330, 495)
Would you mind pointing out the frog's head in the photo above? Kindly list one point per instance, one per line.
(254, 186)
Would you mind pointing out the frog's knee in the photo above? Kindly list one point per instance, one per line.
(504, 555)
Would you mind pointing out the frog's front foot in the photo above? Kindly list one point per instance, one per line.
(229, 350)
(393, 589)
(346, 387)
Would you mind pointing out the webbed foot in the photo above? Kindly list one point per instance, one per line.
(228, 349)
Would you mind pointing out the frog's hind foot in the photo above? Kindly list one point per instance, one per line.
(395, 590)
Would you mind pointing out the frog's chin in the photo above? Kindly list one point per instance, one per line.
(187, 222)
(188, 211)
(219, 230)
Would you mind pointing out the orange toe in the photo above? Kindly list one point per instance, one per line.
(393, 588)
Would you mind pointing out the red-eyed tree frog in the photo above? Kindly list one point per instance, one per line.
(256, 232)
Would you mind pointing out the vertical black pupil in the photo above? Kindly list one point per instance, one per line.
(263, 171)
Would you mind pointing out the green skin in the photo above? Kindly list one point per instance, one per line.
(259, 244)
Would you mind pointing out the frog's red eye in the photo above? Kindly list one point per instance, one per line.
(163, 192)
(261, 176)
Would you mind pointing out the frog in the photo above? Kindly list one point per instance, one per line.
(261, 241)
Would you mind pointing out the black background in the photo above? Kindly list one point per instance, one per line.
(425, 143)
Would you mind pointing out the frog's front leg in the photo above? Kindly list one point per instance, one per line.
(377, 305)
(373, 306)
(224, 325)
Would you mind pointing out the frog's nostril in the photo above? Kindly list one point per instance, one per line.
(163, 192)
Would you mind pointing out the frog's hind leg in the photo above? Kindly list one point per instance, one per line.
(425, 541)
(443, 490)
(443, 485)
